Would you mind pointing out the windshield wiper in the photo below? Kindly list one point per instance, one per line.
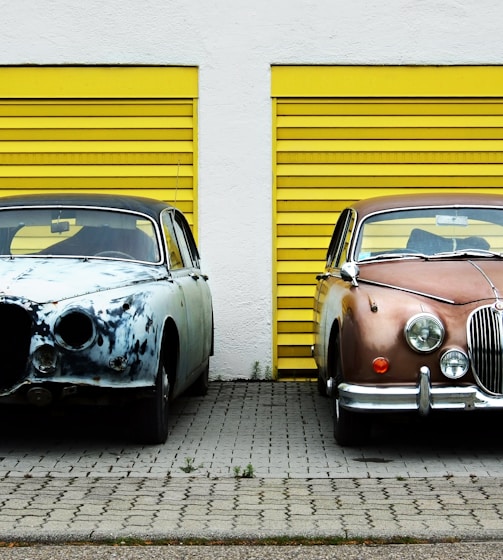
(466, 253)
(392, 255)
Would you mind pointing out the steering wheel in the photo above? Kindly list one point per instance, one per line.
(114, 254)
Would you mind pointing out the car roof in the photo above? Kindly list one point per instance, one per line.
(393, 202)
(149, 206)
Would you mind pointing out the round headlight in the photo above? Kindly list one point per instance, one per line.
(74, 330)
(454, 363)
(424, 332)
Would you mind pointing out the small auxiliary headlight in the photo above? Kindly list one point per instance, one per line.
(454, 363)
(424, 332)
(45, 359)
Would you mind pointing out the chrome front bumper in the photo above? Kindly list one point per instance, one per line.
(422, 398)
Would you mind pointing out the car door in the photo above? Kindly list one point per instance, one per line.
(186, 274)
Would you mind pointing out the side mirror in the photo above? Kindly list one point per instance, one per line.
(350, 273)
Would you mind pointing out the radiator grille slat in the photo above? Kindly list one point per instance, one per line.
(485, 346)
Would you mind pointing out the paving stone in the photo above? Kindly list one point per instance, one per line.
(408, 481)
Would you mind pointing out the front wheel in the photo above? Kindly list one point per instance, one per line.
(350, 428)
(153, 412)
(321, 385)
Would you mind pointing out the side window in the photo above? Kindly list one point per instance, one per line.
(337, 250)
(182, 243)
(186, 240)
(174, 252)
(182, 248)
(341, 257)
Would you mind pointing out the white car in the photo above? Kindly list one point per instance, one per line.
(102, 301)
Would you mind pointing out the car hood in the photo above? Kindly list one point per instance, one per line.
(50, 280)
(454, 281)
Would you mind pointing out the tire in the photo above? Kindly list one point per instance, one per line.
(153, 412)
(322, 386)
(350, 428)
(200, 386)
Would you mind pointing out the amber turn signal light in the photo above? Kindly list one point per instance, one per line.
(380, 365)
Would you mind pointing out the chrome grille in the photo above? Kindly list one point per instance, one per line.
(485, 346)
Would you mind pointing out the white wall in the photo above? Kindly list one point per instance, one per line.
(234, 43)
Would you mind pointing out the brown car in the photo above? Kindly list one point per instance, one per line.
(408, 315)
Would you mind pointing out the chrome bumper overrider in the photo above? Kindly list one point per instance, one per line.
(423, 397)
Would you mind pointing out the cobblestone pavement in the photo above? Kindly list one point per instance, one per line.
(78, 476)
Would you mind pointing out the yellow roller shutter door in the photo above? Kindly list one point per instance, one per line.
(113, 129)
(346, 133)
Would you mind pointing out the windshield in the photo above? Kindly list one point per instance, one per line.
(77, 232)
(430, 232)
